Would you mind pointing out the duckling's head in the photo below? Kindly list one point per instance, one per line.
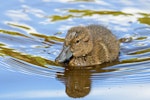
(78, 43)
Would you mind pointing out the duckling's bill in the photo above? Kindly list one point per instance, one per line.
(65, 55)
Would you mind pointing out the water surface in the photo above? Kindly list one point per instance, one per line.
(31, 37)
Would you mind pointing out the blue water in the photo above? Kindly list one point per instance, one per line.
(31, 37)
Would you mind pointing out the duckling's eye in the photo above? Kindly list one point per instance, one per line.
(77, 41)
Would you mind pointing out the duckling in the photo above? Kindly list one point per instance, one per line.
(89, 45)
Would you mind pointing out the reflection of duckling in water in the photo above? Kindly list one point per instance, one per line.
(90, 45)
(78, 79)
(77, 82)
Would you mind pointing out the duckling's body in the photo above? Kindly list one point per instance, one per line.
(90, 45)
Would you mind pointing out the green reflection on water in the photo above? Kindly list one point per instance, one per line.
(48, 38)
(145, 19)
(141, 38)
(81, 13)
(76, 13)
(19, 26)
(134, 60)
(36, 60)
(140, 51)
(92, 12)
(12, 33)
(57, 17)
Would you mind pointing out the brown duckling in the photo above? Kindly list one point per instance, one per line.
(89, 45)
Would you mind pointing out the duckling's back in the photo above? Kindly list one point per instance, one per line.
(102, 36)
